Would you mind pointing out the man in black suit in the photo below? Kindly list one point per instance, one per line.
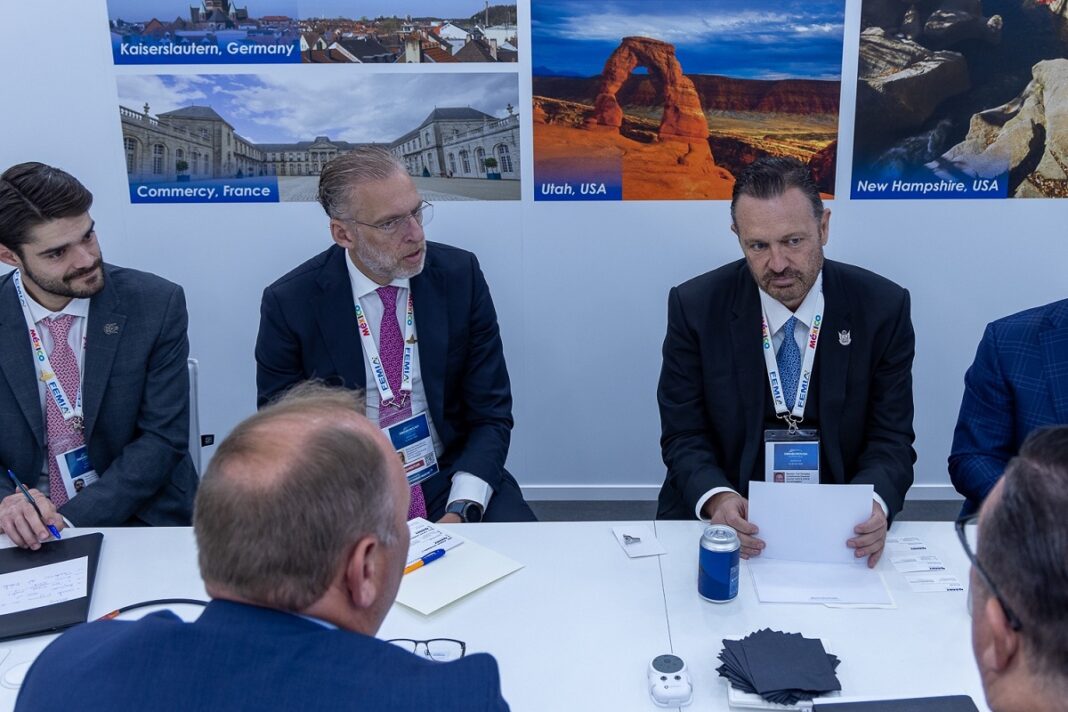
(412, 322)
(94, 391)
(853, 385)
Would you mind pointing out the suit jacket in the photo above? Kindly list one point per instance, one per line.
(135, 398)
(308, 330)
(237, 656)
(713, 385)
(1017, 383)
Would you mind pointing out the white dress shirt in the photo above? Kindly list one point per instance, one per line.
(464, 484)
(778, 314)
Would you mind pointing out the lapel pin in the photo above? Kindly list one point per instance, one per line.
(111, 329)
(844, 338)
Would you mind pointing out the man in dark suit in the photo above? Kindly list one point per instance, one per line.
(94, 391)
(295, 608)
(715, 395)
(432, 363)
(1017, 383)
(1018, 546)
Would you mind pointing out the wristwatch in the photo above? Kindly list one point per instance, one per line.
(469, 511)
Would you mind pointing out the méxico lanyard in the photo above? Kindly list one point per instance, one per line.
(371, 349)
(795, 416)
(70, 413)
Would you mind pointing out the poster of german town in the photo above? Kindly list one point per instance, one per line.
(207, 138)
(311, 31)
(668, 101)
(962, 100)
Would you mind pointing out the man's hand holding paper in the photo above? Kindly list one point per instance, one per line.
(871, 536)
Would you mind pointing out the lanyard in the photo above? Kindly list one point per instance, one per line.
(371, 350)
(795, 416)
(44, 367)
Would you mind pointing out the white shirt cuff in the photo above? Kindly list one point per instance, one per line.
(882, 503)
(707, 496)
(468, 486)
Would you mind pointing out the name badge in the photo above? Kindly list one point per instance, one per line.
(792, 457)
(411, 439)
(75, 470)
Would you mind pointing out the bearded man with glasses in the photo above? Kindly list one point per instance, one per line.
(1018, 546)
(413, 323)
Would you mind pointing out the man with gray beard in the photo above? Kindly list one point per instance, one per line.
(411, 321)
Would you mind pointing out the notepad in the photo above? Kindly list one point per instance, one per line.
(462, 571)
(49, 589)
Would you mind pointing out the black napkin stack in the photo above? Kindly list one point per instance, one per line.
(784, 668)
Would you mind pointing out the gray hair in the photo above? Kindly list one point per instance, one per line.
(361, 165)
(1023, 543)
(287, 494)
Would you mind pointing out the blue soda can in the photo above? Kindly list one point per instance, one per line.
(717, 570)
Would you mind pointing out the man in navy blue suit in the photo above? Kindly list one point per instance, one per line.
(294, 607)
(1017, 383)
(412, 322)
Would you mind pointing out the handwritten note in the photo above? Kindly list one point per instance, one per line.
(44, 586)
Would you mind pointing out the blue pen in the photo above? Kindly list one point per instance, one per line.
(29, 498)
(420, 563)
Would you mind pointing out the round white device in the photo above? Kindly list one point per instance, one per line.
(669, 682)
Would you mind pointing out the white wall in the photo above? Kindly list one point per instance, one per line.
(580, 289)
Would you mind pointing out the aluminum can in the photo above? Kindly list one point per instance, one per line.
(717, 569)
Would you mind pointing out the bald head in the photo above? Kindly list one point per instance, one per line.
(288, 493)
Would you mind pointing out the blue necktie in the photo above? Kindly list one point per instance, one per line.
(789, 360)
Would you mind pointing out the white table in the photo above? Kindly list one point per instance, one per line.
(576, 627)
(920, 648)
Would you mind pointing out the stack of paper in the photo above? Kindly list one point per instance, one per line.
(461, 571)
(806, 560)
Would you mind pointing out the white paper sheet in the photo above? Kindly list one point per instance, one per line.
(44, 586)
(934, 583)
(425, 538)
(463, 570)
(909, 564)
(808, 522)
(638, 540)
(778, 581)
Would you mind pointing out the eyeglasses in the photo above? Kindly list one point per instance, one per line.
(972, 524)
(441, 650)
(422, 215)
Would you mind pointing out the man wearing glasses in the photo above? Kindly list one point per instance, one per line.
(294, 609)
(410, 321)
(1019, 582)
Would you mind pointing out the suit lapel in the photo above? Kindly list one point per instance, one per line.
(336, 316)
(748, 366)
(429, 297)
(1054, 344)
(104, 332)
(16, 359)
(833, 357)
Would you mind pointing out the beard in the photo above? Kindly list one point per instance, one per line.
(65, 287)
(385, 265)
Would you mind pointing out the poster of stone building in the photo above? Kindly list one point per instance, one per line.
(962, 99)
(218, 138)
(668, 101)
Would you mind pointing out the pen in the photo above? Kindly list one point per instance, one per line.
(29, 498)
(420, 563)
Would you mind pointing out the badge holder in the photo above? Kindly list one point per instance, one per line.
(792, 455)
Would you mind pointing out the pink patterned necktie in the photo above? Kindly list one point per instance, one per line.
(391, 351)
(62, 436)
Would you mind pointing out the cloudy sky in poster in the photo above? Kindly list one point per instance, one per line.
(279, 108)
(752, 39)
